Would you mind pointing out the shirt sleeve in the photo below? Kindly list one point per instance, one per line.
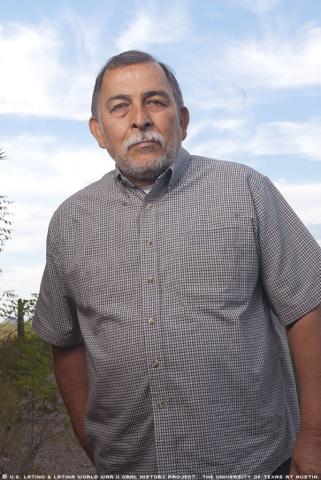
(290, 258)
(55, 319)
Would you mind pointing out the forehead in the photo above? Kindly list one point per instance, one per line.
(139, 77)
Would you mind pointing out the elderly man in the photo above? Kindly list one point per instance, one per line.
(170, 290)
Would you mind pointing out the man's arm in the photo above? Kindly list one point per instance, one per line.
(70, 370)
(305, 343)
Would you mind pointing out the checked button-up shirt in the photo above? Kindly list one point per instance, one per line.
(181, 297)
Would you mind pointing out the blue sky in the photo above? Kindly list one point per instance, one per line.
(250, 71)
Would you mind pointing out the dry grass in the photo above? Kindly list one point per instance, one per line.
(7, 330)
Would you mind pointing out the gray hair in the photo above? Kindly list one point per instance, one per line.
(130, 58)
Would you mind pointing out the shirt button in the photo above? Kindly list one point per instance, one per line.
(156, 364)
(161, 404)
(149, 242)
(148, 206)
(151, 321)
(150, 279)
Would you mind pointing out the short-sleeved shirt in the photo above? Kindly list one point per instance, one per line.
(181, 297)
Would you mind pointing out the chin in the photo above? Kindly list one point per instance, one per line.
(146, 157)
(146, 161)
(145, 165)
(147, 170)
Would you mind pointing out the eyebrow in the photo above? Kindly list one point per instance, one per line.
(150, 93)
(153, 93)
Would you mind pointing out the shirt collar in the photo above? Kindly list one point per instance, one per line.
(170, 177)
(178, 168)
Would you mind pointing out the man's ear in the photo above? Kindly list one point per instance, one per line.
(96, 131)
(184, 121)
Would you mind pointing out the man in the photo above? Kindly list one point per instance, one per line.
(169, 288)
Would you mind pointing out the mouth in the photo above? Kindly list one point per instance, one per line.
(146, 146)
(145, 142)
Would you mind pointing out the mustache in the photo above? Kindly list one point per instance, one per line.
(144, 137)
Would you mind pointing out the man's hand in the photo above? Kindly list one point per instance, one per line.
(84, 443)
(306, 455)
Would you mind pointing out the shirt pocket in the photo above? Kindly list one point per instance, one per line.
(219, 262)
(99, 277)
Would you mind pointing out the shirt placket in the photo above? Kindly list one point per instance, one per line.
(151, 301)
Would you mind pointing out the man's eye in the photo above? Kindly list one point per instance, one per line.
(156, 102)
(119, 107)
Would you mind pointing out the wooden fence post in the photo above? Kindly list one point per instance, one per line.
(21, 320)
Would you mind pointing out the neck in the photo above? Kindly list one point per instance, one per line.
(140, 183)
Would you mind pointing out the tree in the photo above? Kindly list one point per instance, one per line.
(20, 309)
(5, 224)
(5, 229)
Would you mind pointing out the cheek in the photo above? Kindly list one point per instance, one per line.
(171, 127)
(114, 137)
(174, 132)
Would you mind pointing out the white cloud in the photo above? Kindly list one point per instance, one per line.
(24, 280)
(288, 138)
(226, 125)
(153, 24)
(274, 138)
(37, 78)
(278, 61)
(223, 96)
(29, 221)
(257, 6)
(305, 199)
(41, 166)
(87, 34)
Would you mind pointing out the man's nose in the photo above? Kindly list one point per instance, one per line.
(141, 118)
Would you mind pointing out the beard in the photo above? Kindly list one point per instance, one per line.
(150, 169)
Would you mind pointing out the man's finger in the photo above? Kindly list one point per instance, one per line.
(294, 470)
